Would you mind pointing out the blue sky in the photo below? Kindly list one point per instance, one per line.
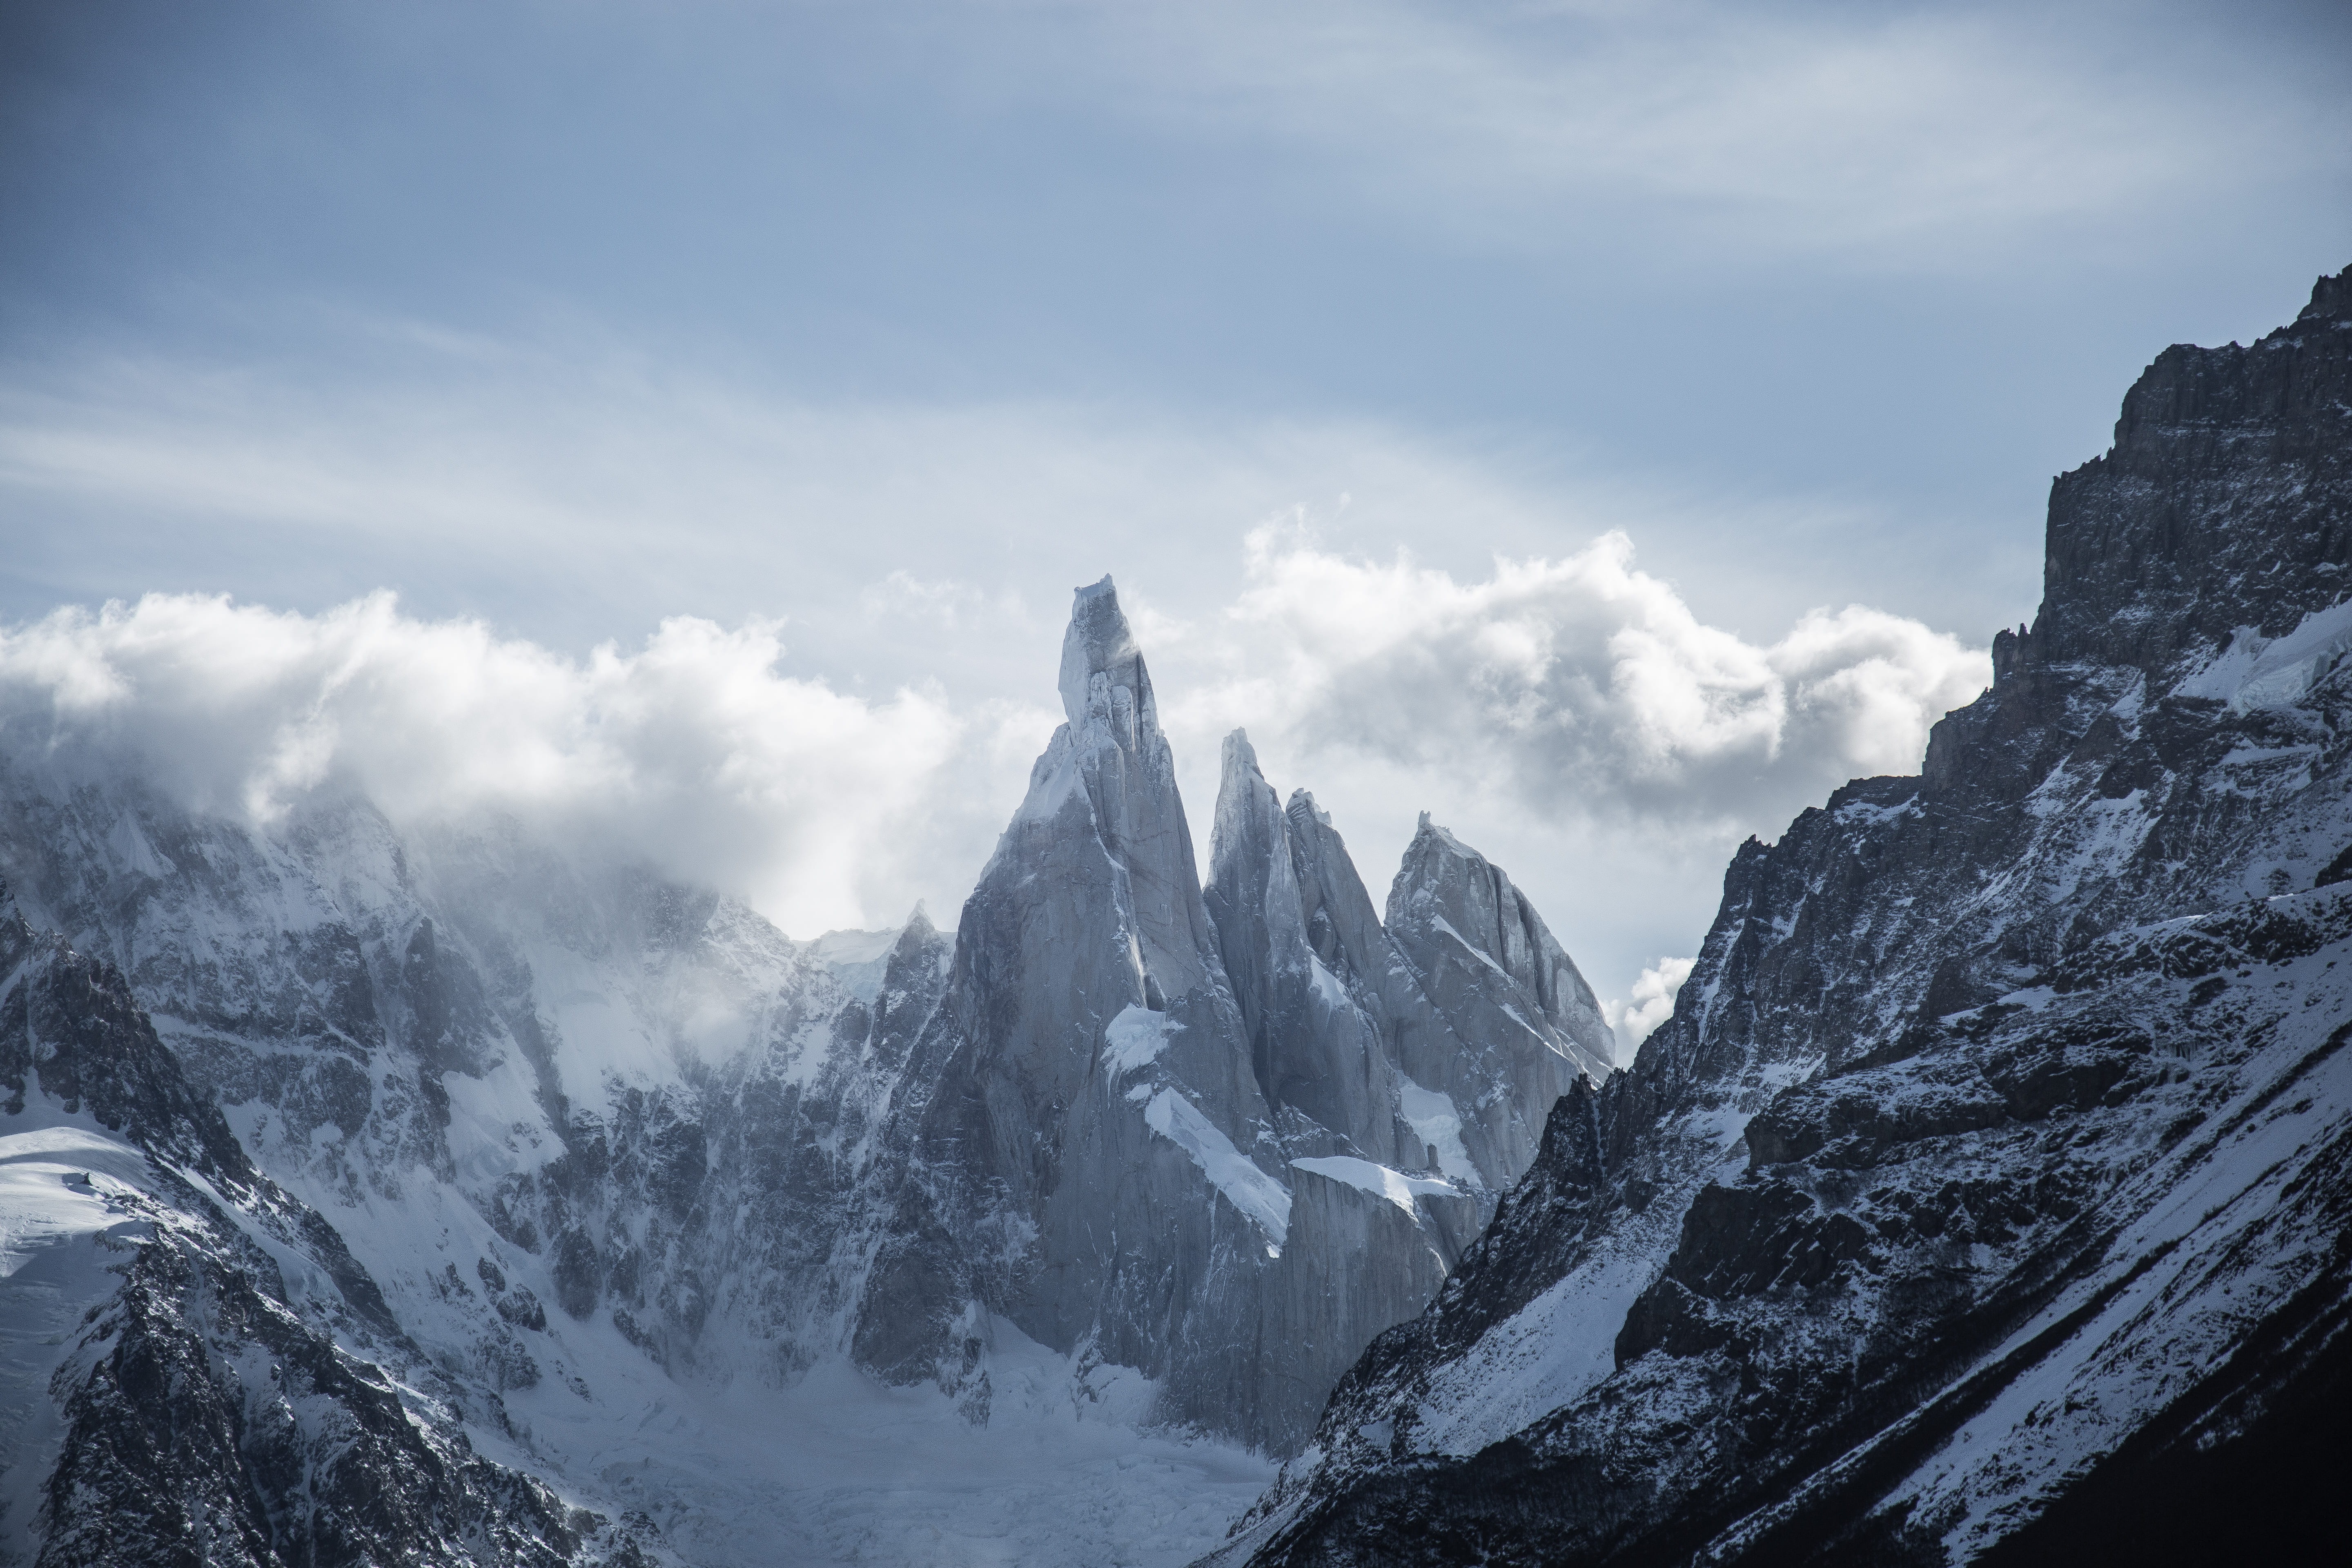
(891, 323)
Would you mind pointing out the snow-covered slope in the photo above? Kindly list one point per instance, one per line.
(197, 1369)
(642, 1193)
(1987, 1194)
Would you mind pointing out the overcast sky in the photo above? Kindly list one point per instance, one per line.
(1605, 425)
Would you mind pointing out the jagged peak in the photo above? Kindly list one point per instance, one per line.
(1442, 837)
(1304, 801)
(2331, 299)
(1099, 642)
(1249, 820)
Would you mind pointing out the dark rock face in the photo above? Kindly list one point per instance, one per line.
(1987, 1191)
(2223, 503)
(70, 1031)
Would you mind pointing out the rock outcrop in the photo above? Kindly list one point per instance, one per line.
(1986, 1194)
(1492, 973)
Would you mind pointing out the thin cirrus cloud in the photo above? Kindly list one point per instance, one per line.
(579, 496)
(1897, 138)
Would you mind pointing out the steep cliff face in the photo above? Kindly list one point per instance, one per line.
(2152, 548)
(1486, 963)
(1088, 1152)
(1167, 1128)
(1317, 1055)
(1986, 1192)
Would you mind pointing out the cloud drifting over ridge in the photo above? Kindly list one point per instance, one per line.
(693, 753)
(1580, 695)
(1606, 732)
(1581, 688)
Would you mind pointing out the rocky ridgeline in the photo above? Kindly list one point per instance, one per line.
(1987, 1196)
(640, 1102)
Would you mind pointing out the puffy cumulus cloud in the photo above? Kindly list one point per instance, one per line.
(1651, 1004)
(692, 753)
(1580, 689)
(1573, 717)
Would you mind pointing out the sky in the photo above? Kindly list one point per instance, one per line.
(1605, 427)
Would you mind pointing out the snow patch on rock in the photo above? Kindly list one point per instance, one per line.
(1378, 1180)
(1135, 1040)
(1249, 1189)
(1438, 1125)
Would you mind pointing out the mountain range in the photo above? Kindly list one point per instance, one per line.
(421, 1192)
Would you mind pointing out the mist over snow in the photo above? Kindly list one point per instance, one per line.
(691, 753)
(1573, 717)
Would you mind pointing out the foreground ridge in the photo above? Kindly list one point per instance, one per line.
(1987, 1194)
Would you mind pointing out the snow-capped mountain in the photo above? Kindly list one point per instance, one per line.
(1988, 1195)
(195, 1364)
(377, 1191)
(1153, 1124)
(594, 1197)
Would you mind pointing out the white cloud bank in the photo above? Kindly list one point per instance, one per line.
(692, 753)
(1652, 1003)
(1468, 635)
(1581, 688)
(1576, 697)
(1573, 717)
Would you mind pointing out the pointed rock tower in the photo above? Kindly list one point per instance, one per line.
(1524, 1025)
(1169, 1128)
